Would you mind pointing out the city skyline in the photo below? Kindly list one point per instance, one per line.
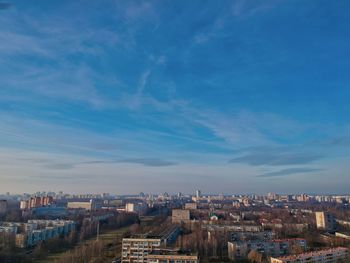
(164, 96)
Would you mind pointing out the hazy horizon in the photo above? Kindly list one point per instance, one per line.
(168, 96)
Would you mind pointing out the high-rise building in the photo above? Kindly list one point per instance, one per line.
(325, 221)
(36, 201)
(3, 207)
(198, 193)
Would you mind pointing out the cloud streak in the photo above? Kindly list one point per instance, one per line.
(154, 162)
(290, 171)
(277, 159)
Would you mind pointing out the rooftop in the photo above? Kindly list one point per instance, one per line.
(315, 253)
(172, 252)
(160, 233)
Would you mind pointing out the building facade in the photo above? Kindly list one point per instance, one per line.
(325, 221)
(137, 248)
(36, 201)
(34, 231)
(90, 205)
(180, 216)
(333, 255)
(138, 208)
(277, 247)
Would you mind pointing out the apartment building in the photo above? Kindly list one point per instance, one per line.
(31, 233)
(325, 221)
(138, 208)
(277, 247)
(136, 249)
(244, 235)
(180, 216)
(332, 255)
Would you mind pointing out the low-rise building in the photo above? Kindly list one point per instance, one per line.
(332, 255)
(343, 235)
(89, 205)
(277, 247)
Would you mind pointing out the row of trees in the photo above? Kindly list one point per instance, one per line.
(8, 251)
(87, 253)
(84, 230)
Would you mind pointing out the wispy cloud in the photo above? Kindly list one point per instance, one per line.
(65, 83)
(276, 158)
(241, 8)
(51, 42)
(291, 171)
(138, 99)
(248, 127)
(152, 162)
(148, 162)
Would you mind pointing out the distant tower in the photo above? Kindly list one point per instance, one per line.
(198, 193)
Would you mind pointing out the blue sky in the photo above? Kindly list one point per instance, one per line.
(154, 96)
